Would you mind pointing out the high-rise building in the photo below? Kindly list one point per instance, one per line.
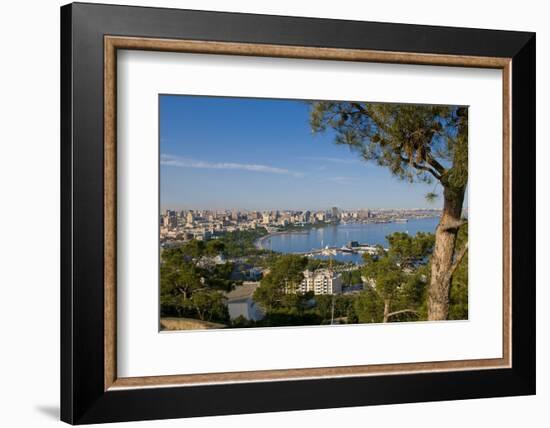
(364, 214)
(170, 221)
(321, 281)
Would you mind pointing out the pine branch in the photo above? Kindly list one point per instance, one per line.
(435, 164)
(402, 311)
(454, 224)
(421, 167)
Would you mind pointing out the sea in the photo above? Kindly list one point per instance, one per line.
(341, 234)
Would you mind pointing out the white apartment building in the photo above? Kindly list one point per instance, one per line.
(321, 281)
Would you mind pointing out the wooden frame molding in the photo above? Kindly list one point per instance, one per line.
(113, 43)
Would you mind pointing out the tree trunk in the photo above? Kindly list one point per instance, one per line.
(442, 257)
(386, 310)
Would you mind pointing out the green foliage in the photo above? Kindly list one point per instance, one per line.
(193, 249)
(414, 289)
(399, 278)
(289, 317)
(241, 243)
(266, 260)
(214, 247)
(288, 270)
(230, 244)
(192, 284)
(314, 264)
(194, 289)
(351, 315)
(407, 249)
(187, 290)
(285, 275)
(178, 276)
(351, 277)
(415, 142)
(323, 304)
(386, 274)
(431, 197)
(458, 307)
(343, 304)
(269, 294)
(209, 306)
(296, 301)
(368, 307)
(219, 277)
(291, 308)
(242, 322)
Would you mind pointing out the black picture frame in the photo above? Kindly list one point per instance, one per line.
(83, 398)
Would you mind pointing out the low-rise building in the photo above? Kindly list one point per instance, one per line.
(240, 302)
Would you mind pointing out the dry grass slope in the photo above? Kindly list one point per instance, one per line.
(172, 324)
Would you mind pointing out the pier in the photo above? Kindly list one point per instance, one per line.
(350, 248)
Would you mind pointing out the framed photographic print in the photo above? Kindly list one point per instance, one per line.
(266, 213)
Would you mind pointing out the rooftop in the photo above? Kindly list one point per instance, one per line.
(242, 291)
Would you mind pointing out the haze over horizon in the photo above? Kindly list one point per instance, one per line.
(328, 208)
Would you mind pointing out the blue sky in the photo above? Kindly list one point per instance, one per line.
(259, 154)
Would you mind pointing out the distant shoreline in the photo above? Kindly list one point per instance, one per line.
(305, 231)
(259, 242)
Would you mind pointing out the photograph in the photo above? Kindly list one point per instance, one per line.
(283, 212)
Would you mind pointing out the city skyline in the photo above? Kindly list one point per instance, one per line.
(177, 226)
(327, 209)
(260, 154)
